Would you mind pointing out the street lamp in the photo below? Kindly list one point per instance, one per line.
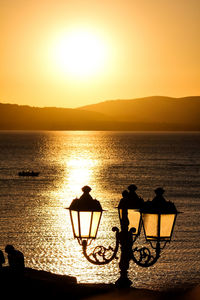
(85, 214)
(159, 217)
(156, 217)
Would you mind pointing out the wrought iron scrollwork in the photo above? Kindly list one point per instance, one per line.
(100, 254)
(143, 256)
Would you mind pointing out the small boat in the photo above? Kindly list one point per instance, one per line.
(28, 173)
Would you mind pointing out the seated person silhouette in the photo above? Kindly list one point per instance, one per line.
(2, 259)
(15, 259)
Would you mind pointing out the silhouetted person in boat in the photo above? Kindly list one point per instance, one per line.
(2, 259)
(137, 202)
(15, 259)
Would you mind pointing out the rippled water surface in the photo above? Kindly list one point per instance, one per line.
(34, 218)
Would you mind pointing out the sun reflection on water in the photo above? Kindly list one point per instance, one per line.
(34, 219)
(72, 160)
(79, 168)
(78, 172)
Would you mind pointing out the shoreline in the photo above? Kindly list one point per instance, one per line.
(41, 283)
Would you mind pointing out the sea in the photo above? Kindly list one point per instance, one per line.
(33, 214)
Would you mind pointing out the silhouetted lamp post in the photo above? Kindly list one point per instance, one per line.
(156, 217)
(85, 216)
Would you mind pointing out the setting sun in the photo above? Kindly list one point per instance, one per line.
(75, 53)
(79, 53)
(99, 143)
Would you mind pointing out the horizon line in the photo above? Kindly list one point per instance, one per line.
(103, 101)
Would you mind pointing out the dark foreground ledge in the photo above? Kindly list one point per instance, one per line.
(45, 285)
(41, 284)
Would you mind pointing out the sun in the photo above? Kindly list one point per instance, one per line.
(80, 53)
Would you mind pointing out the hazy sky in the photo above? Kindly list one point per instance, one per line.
(73, 53)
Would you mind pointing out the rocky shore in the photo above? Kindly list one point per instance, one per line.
(35, 284)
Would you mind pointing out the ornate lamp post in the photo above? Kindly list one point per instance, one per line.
(156, 217)
(85, 214)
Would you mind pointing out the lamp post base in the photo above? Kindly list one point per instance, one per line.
(123, 282)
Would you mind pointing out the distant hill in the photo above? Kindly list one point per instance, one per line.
(151, 113)
(19, 117)
(157, 109)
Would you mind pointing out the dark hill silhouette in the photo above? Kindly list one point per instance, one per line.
(151, 113)
(48, 118)
(157, 109)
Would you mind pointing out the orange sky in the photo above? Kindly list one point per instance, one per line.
(128, 49)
